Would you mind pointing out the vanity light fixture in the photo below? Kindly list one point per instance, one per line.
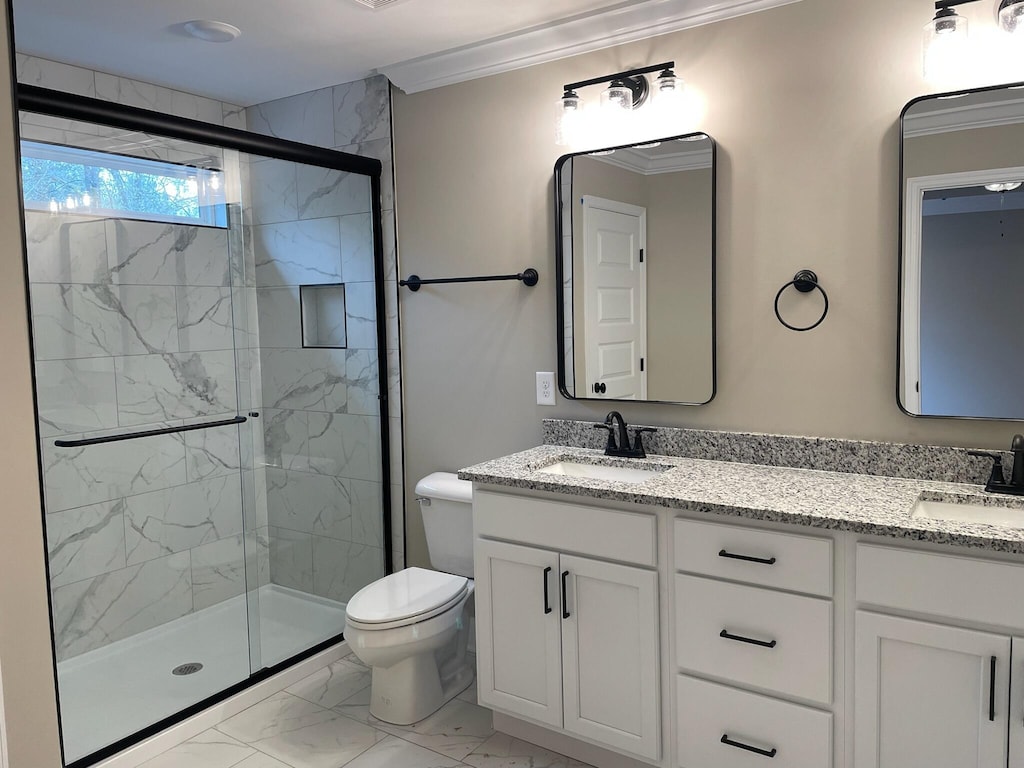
(625, 92)
(945, 36)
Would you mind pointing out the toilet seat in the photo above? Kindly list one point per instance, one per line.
(407, 597)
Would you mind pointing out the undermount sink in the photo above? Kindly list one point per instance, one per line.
(964, 512)
(603, 471)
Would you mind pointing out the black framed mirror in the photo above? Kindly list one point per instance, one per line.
(961, 354)
(635, 264)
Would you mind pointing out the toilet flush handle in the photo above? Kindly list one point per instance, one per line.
(423, 500)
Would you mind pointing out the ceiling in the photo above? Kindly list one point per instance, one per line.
(301, 45)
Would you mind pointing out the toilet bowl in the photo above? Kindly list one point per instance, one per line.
(412, 627)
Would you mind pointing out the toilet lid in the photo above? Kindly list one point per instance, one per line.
(403, 595)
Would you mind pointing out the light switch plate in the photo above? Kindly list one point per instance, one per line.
(545, 388)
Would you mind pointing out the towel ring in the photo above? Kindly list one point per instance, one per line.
(804, 281)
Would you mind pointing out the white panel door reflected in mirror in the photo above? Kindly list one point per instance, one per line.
(962, 262)
(636, 269)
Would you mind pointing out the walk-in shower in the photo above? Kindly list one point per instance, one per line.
(207, 315)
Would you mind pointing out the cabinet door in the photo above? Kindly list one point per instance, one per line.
(926, 695)
(518, 636)
(610, 655)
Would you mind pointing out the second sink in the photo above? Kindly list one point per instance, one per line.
(1010, 517)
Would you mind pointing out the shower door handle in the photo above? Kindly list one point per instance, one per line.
(547, 602)
(147, 433)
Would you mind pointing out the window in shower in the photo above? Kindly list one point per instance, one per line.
(214, 491)
(73, 180)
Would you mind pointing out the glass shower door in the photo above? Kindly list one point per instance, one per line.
(317, 383)
(208, 353)
(131, 266)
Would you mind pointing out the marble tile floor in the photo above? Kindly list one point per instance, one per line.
(323, 721)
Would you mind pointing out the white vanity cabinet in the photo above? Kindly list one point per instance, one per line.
(565, 638)
(929, 693)
(730, 643)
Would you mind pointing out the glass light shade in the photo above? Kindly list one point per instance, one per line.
(945, 40)
(568, 118)
(668, 85)
(1011, 16)
(617, 96)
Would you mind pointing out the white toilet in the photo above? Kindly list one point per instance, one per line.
(412, 627)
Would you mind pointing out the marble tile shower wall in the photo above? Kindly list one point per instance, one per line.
(312, 226)
(134, 329)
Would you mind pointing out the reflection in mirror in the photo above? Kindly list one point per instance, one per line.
(636, 268)
(962, 270)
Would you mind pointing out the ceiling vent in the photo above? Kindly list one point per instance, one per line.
(376, 4)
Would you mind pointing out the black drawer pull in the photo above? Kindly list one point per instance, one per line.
(764, 644)
(748, 558)
(565, 605)
(739, 744)
(547, 603)
(992, 689)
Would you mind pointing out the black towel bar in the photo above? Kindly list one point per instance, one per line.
(529, 277)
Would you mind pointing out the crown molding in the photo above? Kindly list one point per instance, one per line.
(964, 117)
(570, 37)
(638, 162)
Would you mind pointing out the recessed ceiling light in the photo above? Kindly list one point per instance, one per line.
(375, 4)
(212, 31)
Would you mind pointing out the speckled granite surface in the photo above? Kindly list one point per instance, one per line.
(836, 500)
(923, 462)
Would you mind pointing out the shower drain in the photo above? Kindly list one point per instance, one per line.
(187, 669)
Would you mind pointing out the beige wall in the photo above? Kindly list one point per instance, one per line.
(26, 658)
(804, 102)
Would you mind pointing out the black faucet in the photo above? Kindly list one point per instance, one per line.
(621, 447)
(996, 482)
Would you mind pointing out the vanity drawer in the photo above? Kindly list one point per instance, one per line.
(606, 533)
(949, 586)
(800, 661)
(766, 558)
(705, 712)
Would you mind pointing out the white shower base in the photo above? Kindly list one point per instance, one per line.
(119, 689)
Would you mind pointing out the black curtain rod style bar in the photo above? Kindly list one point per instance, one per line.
(147, 433)
(529, 277)
(620, 75)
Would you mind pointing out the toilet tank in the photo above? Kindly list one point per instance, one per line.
(447, 506)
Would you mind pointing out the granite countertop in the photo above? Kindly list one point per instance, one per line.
(835, 500)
